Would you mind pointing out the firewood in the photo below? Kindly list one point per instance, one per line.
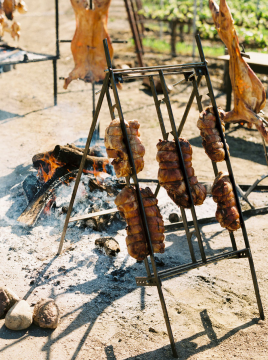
(38, 203)
(71, 156)
(95, 150)
(37, 159)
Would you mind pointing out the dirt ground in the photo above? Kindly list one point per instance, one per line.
(213, 309)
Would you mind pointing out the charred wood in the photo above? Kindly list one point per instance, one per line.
(46, 193)
(109, 244)
(112, 188)
(38, 159)
(71, 156)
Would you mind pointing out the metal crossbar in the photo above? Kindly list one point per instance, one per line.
(154, 276)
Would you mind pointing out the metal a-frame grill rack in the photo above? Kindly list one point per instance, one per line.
(192, 72)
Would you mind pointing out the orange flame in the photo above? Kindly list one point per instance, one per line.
(98, 174)
(51, 164)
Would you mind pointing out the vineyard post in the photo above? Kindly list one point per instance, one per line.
(194, 27)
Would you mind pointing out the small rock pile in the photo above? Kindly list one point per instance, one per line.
(19, 315)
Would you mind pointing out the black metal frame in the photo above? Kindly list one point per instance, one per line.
(44, 57)
(192, 72)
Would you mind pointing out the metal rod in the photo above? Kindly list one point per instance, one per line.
(135, 16)
(90, 135)
(147, 267)
(135, 32)
(110, 105)
(214, 164)
(194, 28)
(177, 270)
(113, 41)
(139, 197)
(157, 190)
(188, 234)
(182, 268)
(97, 213)
(157, 67)
(231, 233)
(255, 284)
(165, 137)
(182, 165)
(158, 110)
(136, 77)
(55, 84)
(207, 220)
(46, 58)
(188, 107)
(170, 71)
(231, 176)
(265, 150)
(57, 28)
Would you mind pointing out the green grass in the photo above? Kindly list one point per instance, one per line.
(181, 48)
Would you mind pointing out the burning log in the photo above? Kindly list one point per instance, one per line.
(46, 193)
(71, 155)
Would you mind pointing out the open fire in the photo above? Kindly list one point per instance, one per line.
(48, 167)
(59, 167)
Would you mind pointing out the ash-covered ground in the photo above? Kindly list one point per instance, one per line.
(104, 315)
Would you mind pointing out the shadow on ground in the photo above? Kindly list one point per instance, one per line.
(239, 148)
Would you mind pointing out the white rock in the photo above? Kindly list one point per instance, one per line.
(19, 317)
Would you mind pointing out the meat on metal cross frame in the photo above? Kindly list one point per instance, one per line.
(192, 72)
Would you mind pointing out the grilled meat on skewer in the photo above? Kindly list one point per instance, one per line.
(210, 134)
(170, 174)
(227, 212)
(116, 148)
(127, 203)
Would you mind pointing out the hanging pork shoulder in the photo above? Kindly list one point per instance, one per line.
(127, 203)
(227, 212)
(170, 175)
(116, 148)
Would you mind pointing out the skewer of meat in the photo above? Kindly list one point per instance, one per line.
(116, 148)
(227, 212)
(211, 137)
(126, 202)
(170, 174)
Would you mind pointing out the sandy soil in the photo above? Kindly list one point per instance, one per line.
(213, 310)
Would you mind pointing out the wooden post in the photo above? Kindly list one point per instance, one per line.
(134, 30)
(173, 25)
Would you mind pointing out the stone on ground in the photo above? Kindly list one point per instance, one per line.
(7, 299)
(19, 316)
(46, 314)
(110, 245)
